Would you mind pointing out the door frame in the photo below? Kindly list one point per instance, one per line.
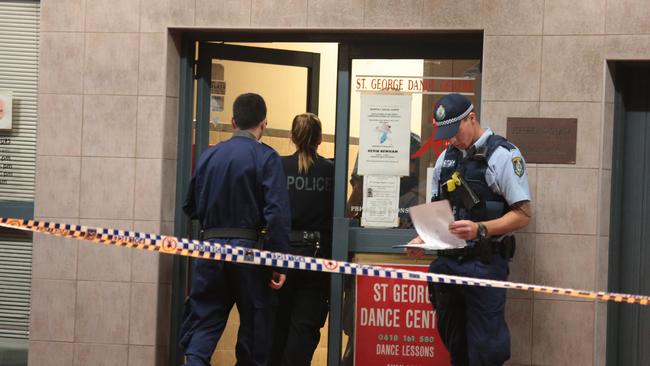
(353, 44)
(618, 332)
(199, 69)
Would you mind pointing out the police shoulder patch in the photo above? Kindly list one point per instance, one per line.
(518, 166)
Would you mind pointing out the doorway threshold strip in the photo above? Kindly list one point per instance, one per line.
(215, 251)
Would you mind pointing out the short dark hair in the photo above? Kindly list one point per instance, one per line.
(248, 110)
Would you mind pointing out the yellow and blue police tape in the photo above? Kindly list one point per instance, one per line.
(224, 252)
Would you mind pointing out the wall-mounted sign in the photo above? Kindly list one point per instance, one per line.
(6, 102)
(384, 138)
(395, 323)
(411, 84)
(544, 140)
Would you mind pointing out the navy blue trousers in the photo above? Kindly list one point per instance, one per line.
(471, 319)
(301, 314)
(216, 287)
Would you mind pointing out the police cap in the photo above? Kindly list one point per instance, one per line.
(449, 111)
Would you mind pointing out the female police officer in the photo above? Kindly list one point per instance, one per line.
(471, 319)
(304, 298)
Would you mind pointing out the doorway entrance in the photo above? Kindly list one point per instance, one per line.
(629, 269)
(433, 63)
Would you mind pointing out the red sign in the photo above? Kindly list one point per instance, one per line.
(395, 324)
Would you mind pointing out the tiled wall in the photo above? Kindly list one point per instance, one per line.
(108, 107)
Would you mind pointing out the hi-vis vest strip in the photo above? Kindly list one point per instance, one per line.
(216, 251)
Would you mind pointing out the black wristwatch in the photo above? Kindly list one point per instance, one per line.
(481, 231)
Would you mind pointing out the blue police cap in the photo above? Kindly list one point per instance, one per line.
(449, 111)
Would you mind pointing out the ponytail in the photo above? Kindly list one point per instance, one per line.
(306, 134)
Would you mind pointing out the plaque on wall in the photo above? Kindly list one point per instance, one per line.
(544, 140)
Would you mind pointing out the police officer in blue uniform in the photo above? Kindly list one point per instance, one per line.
(304, 297)
(239, 195)
(485, 180)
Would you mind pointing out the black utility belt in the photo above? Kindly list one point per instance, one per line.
(257, 236)
(484, 249)
(304, 238)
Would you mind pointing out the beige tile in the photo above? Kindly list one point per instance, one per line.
(109, 125)
(581, 17)
(143, 314)
(279, 13)
(168, 190)
(62, 15)
(107, 188)
(394, 14)
(54, 257)
(511, 68)
(610, 72)
(627, 17)
(108, 224)
(605, 201)
(447, 14)
(57, 186)
(563, 333)
(164, 314)
(102, 312)
(148, 187)
(495, 114)
(52, 310)
(99, 262)
(519, 315)
(50, 353)
(124, 16)
(335, 13)
(522, 265)
(566, 201)
(100, 354)
(589, 128)
(152, 65)
(224, 12)
(627, 47)
(173, 65)
(565, 261)
(572, 68)
(60, 62)
(59, 124)
(602, 264)
(146, 264)
(111, 63)
(508, 17)
(608, 136)
(170, 137)
(142, 356)
(157, 15)
(151, 127)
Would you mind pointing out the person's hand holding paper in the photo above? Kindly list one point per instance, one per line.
(431, 221)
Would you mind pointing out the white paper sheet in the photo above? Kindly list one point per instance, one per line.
(380, 201)
(431, 221)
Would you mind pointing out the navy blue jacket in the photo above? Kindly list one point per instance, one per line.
(240, 183)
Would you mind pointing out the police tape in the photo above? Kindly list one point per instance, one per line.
(215, 251)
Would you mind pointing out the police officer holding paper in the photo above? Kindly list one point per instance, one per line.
(304, 297)
(239, 195)
(485, 180)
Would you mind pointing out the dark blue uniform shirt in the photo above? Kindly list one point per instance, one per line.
(240, 183)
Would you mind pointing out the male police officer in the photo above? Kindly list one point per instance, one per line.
(485, 179)
(238, 189)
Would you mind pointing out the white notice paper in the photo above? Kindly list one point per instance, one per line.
(384, 137)
(380, 201)
(431, 221)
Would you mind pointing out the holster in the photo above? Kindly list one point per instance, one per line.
(305, 242)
